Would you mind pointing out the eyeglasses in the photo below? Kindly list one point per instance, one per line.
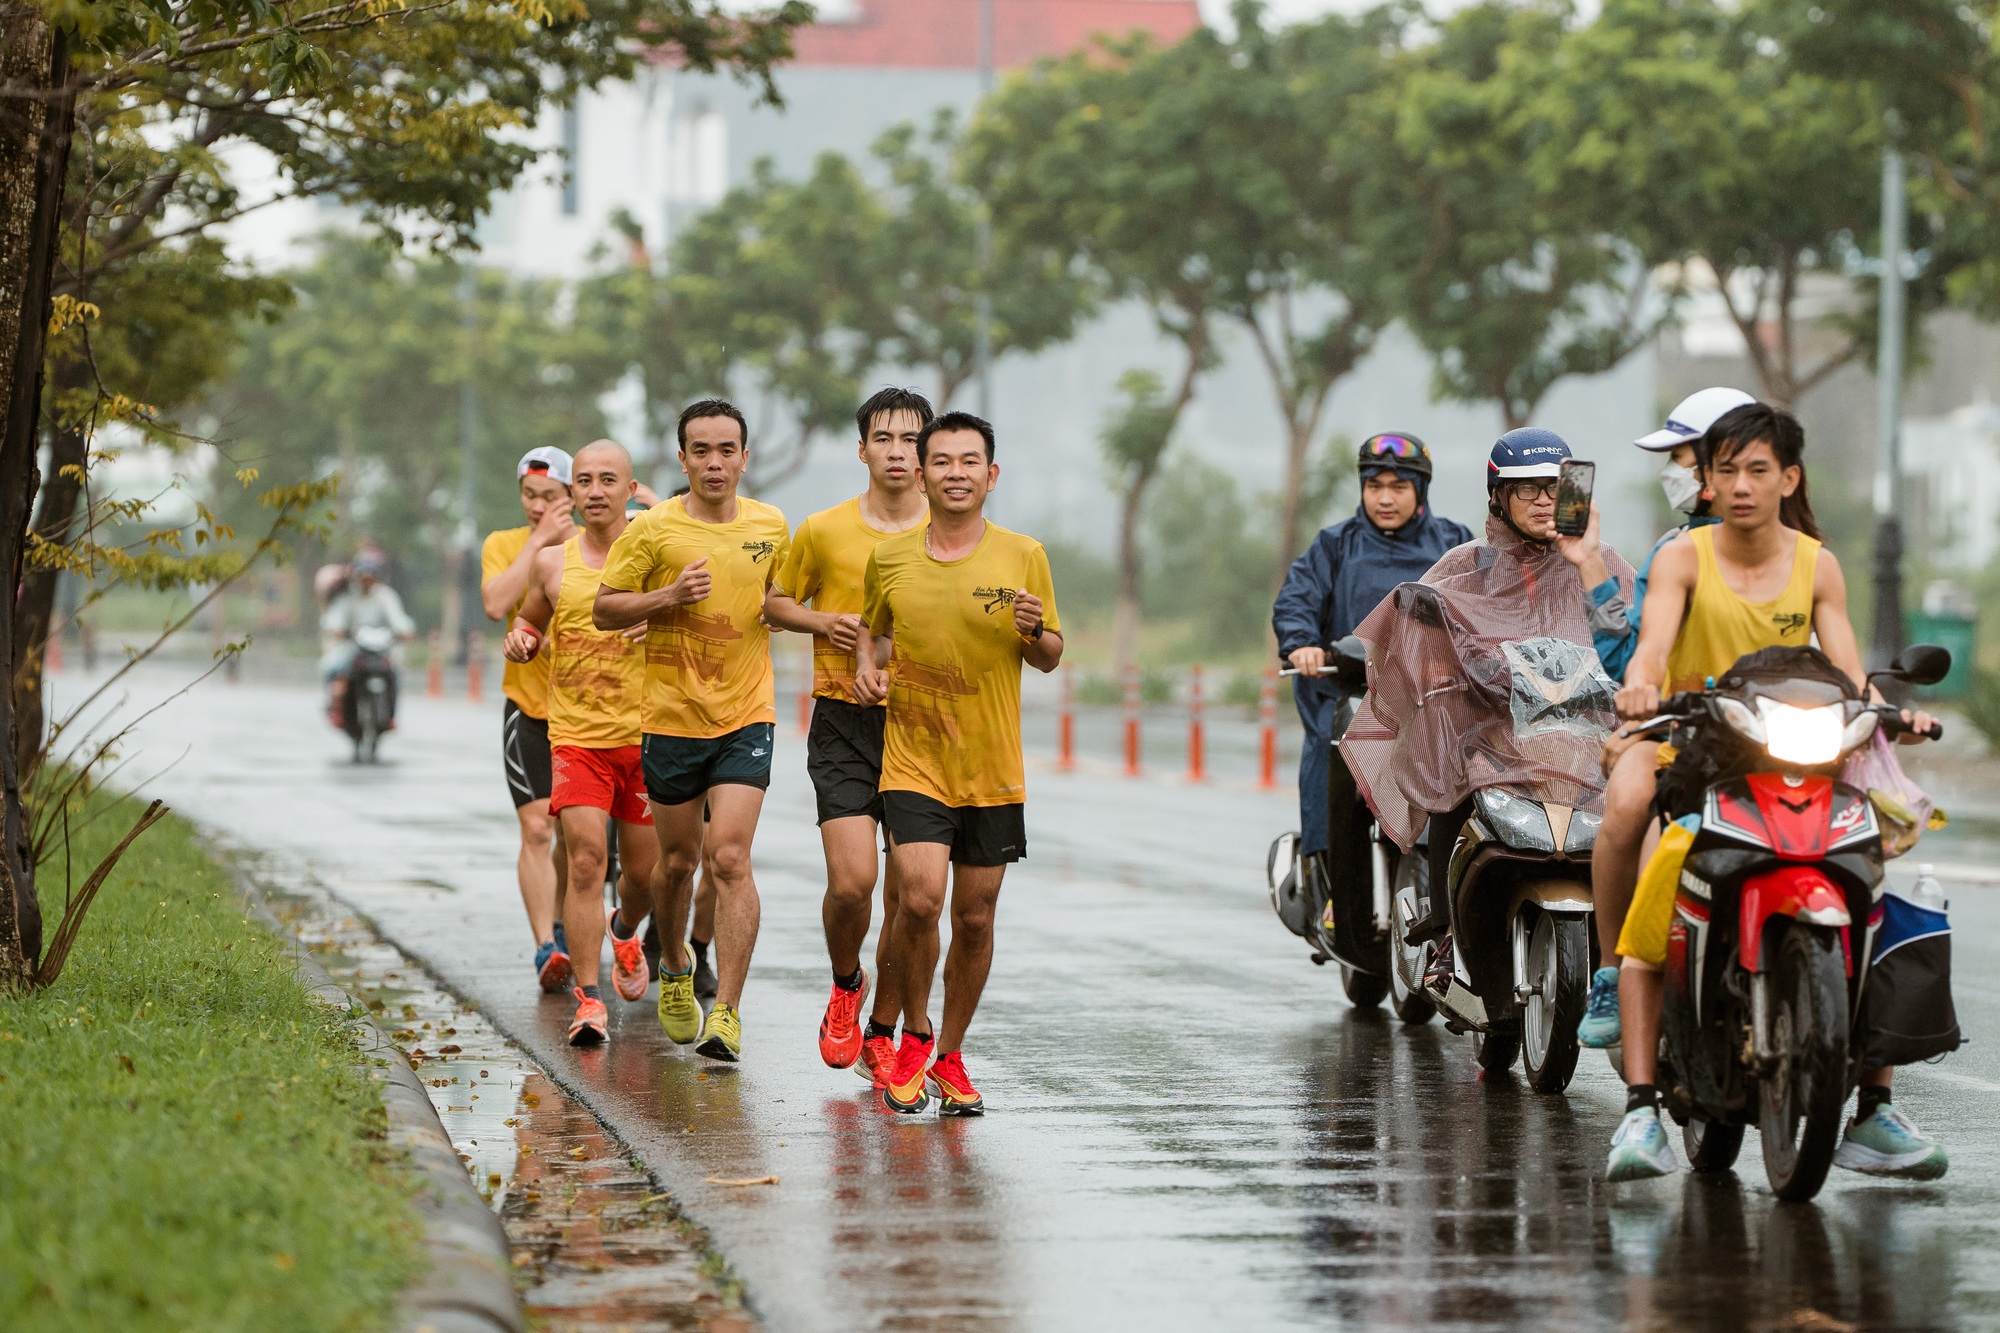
(1529, 488)
(1395, 446)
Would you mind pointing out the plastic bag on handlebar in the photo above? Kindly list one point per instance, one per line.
(1902, 808)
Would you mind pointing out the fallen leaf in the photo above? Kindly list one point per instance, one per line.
(532, 1099)
(284, 1261)
(125, 1063)
(578, 1153)
(751, 1180)
(448, 1050)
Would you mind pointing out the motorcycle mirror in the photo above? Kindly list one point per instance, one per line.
(1922, 664)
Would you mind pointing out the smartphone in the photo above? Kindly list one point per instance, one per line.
(1573, 487)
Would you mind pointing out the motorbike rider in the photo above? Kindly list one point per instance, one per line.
(1614, 628)
(1523, 590)
(1392, 537)
(366, 603)
(1758, 579)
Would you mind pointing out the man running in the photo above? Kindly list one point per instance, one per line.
(828, 561)
(696, 570)
(963, 602)
(597, 689)
(1758, 579)
(506, 566)
(1614, 628)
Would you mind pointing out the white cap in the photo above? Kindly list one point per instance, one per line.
(1692, 416)
(547, 459)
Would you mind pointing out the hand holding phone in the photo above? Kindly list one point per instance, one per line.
(1574, 484)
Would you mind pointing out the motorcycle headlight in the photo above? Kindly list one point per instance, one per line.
(1519, 823)
(1804, 736)
(1858, 731)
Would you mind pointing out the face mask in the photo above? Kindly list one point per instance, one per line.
(1683, 487)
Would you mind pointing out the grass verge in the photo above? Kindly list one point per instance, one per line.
(184, 1139)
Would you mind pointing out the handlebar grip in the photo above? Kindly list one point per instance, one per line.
(1893, 725)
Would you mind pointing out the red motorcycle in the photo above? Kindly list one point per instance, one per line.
(1777, 907)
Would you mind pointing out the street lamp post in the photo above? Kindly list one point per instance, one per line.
(465, 538)
(1888, 635)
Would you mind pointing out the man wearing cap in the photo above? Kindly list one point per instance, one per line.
(1614, 626)
(1393, 537)
(506, 567)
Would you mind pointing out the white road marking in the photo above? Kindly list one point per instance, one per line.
(1964, 1080)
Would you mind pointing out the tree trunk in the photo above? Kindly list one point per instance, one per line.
(1125, 623)
(35, 119)
(1298, 445)
(54, 522)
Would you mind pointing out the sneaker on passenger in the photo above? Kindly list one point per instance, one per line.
(840, 1027)
(680, 1011)
(950, 1084)
(721, 1035)
(588, 1028)
(904, 1089)
(1639, 1150)
(878, 1061)
(552, 967)
(1599, 1027)
(1887, 1144)
(629, 976)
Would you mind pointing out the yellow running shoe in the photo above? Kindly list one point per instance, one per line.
(721, 1035)
(680, 1012)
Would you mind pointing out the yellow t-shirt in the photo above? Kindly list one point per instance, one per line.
(828, 561)
(598, 676)
(708, 666)
(954, 727)
(526, 683)
(1721, 627)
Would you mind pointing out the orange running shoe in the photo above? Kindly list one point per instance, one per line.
(904, 1090)
(588, 1029)
(840, 1029)
(629, 974)
(552, 968)
(953, 1089)
(878, 1061)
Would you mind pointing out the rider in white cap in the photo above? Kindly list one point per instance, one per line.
(1614, 629)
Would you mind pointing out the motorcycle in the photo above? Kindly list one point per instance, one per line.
(368, 708)
(1339, 902)
(1765, 968)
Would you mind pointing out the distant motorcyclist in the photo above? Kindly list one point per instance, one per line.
(1392, 538)
(365, 603)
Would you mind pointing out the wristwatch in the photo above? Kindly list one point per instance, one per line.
(1036, 634)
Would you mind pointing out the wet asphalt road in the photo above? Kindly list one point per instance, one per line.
(1187, 1123)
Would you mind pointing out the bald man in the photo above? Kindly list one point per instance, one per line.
(597, 688)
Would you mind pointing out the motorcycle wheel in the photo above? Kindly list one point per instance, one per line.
(1711, 1149)
(1405, 959)
(1803, 1096)
(1496, 1048)
(1558, 968)
(371, 729)
(1364, 990)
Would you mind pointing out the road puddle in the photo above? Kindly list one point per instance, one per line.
(597, 1247)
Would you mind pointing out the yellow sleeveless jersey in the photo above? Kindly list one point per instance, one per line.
(598, 677)
(526, 683)
(1721, 627)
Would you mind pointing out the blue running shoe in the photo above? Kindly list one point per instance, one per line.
(1639, 1150)
(552, 967)
(1599, 1027)
(1887, 1144)
(562, 940)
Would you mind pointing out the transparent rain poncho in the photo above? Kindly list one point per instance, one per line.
(1482, 674)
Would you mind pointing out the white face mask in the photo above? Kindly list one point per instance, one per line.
(1683, 487)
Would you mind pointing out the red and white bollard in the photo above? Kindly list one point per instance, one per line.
(1197, 758)
(434, 674)
(1066, 723)
(475, 669)
(1131, 720)
(1267, 713)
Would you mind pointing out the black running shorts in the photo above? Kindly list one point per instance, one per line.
(679, 769)
(524, 745)
(978, 835)
(844, 758)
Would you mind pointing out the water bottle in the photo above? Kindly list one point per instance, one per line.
(1927, 892)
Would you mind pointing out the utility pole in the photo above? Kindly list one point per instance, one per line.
(1888, 636)
(982, 306)
(457, 613)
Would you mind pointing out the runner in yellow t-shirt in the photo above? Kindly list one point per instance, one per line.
(506, 563)
(963, 602)
(598, 681)
(844, 747)
(696, 569)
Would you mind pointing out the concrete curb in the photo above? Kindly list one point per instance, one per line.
(469, 1285)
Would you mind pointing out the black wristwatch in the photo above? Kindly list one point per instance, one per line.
(1037, 632)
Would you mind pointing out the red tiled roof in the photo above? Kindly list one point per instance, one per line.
(944, 34)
